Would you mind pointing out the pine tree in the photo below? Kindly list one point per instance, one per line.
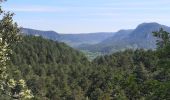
(15, 89)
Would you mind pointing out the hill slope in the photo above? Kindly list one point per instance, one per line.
(54, 71)
(50, 68)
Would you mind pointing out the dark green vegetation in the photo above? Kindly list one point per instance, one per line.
(54, 71)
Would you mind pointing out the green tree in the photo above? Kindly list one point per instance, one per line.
(163, 53)
(163, 38)
(15, 89)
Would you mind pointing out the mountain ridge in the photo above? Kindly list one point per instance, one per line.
(73, 40)
(106, 42)
(141, 37)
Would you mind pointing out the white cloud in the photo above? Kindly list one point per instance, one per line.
(31, 8)
(138, 3)
(77, 9)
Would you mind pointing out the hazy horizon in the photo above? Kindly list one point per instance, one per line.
(96, 31)
(80, 16)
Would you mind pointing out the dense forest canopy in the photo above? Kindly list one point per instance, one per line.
(55, 71)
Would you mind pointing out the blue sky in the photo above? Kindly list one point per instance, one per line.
(82, 16)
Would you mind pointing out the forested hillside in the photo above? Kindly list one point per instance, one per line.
(54, 71)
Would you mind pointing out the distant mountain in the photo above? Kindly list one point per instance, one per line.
(106, 42)
(73, 40)
(141, 37)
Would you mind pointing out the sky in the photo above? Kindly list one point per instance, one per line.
(85, 16)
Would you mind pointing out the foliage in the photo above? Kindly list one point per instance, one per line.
(55, 71)
(15, 89)
(91, 55)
